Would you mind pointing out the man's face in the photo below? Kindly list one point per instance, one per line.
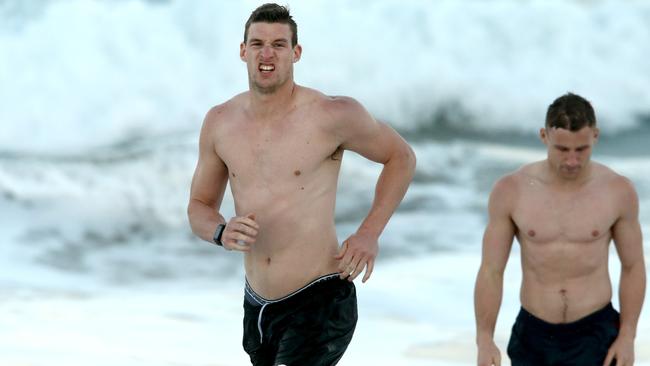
(269, 56)
(569, 152)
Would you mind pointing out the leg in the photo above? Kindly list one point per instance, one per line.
(320, 333)
(260, 354)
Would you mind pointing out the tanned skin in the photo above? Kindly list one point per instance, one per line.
(564, 212)
(280, 146)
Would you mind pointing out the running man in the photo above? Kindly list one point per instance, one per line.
(564, 212)
(280, 146)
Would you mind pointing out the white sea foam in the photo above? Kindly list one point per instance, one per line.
(80, 74)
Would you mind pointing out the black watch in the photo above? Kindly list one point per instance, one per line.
(217, 234)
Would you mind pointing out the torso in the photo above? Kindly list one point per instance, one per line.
(285, 171)
(564, 236)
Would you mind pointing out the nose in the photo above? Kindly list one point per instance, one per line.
(267, 52)
(572, 160)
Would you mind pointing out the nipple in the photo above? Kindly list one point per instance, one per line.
(297, 173)
(531, 233)
(595, 233)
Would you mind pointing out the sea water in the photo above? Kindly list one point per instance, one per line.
(101, 103)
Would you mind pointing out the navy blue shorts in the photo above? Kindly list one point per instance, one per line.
(311, 326)
(586, 341)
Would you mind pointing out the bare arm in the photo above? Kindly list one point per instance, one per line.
(497, 242)
(629, 245)
(376, 141)
(206, 194)
(208, 184)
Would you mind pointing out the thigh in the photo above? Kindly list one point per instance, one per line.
(523, 348)
(320, 334)
(591, 348)
(259, 354)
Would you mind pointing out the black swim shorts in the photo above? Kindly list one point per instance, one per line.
(586, 341)
(311, 326)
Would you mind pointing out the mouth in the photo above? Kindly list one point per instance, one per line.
(266, 68)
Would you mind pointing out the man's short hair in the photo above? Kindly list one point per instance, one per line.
(273, 13)
(571, 112)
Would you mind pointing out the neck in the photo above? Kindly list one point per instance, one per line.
(557, 179)
(268, 104)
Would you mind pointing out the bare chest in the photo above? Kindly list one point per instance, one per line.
(542, 216)
(267, 155)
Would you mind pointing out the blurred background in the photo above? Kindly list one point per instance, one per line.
(101, 103)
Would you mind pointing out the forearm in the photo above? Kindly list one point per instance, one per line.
(391, 187)
(487, 301)
(631, 296)
(203, 219)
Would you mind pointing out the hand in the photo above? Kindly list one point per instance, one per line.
(488, 354)
(358, 251)
(622, 350)
(240, 232)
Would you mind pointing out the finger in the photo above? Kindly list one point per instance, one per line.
(245, 229)
(369, 266)
(341, 252)
(357, 267)
(238, 237)
(246, 221)
(345, 268)
(251, 216)
(236, 246)
(345, 265)
(609, 358)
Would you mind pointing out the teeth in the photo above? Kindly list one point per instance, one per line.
(267, 68)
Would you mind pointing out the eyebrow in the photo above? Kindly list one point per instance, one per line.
(568, 148)
(284, 40)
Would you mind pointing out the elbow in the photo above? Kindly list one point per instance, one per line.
(407, 160)
(191, 215)
(411, 158)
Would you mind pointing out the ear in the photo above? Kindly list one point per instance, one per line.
(596, 133)
(543, 135)
(297, 52)
(242, 51)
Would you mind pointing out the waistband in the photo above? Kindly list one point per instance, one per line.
(256, 300)
(607, 313)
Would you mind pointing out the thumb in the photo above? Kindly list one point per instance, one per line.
(342, 250)
(251, 216)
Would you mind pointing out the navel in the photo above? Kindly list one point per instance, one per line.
(302, 188)
(268, 260)
(531, 233)
(297, 173)
(565, 308)
(595, 233)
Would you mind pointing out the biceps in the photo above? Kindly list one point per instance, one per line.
(377, 142)
(497, 242)
(628, 240)
(210, 180)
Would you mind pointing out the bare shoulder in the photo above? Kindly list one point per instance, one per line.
(511, 183)
(620, 186)
(344, 108)
(336, 106)
(224, 112)
(507, 186)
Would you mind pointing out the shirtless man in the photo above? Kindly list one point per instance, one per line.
(280, 146)
(564, 211)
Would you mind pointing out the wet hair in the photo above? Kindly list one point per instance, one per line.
(273, 13)
(571, 112)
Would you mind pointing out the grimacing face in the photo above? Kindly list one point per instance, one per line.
(569, 152)
(269, 56)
